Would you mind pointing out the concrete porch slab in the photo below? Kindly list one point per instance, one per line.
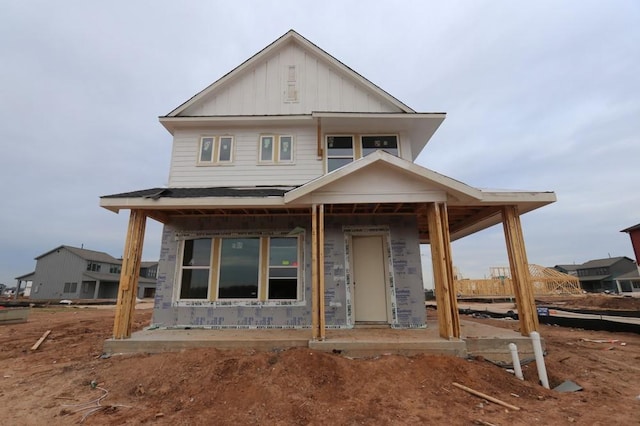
(477, 340)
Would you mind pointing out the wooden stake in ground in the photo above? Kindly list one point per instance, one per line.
(40, 340)
(485, 396)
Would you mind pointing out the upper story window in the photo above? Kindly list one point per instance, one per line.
(215, 150)
(342, 150)
(276, 149)
(374, 143)
(115, 269)
(93, 266)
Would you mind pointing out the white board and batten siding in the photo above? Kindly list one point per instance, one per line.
(245, 169)
(292, 80)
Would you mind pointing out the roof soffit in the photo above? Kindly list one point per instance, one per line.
(290, 37)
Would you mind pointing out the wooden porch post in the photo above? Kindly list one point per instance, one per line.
(448, 326)
(127, 291)
(322, 322)
(314, 273)
(453, 300)
(527, 313)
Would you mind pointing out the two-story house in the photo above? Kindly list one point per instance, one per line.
(67, 272)
(294, 201)
(600, 275)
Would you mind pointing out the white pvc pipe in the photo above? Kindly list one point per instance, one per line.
(517, 368)
(537, 352)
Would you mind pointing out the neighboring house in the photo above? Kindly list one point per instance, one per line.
(630, 282)
(600, 275)
(567, 269)
(68, 272)
(293, 201)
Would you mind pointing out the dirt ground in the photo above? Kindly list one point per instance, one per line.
(63, 381)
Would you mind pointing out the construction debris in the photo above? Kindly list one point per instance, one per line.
(485, 396)
(40, 340)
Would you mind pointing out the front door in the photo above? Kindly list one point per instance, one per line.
(369, 279)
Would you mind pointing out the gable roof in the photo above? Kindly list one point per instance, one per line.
(442, 182)
(290, 36)
(96, 256)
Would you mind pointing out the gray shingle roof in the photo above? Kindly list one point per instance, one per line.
(254, 191)
(96, 256)
(602, 263)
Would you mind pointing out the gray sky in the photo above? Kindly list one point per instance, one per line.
(540, 95)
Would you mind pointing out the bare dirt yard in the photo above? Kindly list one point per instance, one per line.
(66, 381)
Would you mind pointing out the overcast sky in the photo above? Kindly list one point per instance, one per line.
(540, 95)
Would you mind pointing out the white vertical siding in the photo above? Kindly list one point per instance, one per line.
(245, 170)
(260, 90)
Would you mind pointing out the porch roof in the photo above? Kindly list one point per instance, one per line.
(379, 183)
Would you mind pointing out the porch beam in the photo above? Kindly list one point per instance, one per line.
(128, 288)
(440, 271)
(519, 266)
(314, 273)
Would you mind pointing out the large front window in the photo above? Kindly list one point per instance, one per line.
(259, 268)
(239, 268)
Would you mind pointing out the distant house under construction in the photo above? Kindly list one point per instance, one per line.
(544, 281)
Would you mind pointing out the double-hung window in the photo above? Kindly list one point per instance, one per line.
(340, 151)
(196, 268)
(250, 268)
(276, 149)
(215, 150)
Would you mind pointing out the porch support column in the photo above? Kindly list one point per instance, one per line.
(315, 323)
(129, 275)
(322, 322)
(448, 320)
(453, 301)
(527, 313)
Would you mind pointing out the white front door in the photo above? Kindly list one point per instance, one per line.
(369, 279)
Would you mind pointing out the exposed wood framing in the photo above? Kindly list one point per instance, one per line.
(314, 273)
(440, 256)
(523, 291)
(322, 322)
(453, 301)
(129, 274)
(544, 282)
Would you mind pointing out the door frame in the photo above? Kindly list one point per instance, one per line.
(383, 231)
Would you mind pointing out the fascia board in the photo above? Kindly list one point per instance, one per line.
(116, 204)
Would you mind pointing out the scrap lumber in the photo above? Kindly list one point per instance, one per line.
(487, 397)
(40, 340)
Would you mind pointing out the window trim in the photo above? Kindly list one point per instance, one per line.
(216, 150)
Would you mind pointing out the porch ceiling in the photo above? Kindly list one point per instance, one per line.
(463, 220)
